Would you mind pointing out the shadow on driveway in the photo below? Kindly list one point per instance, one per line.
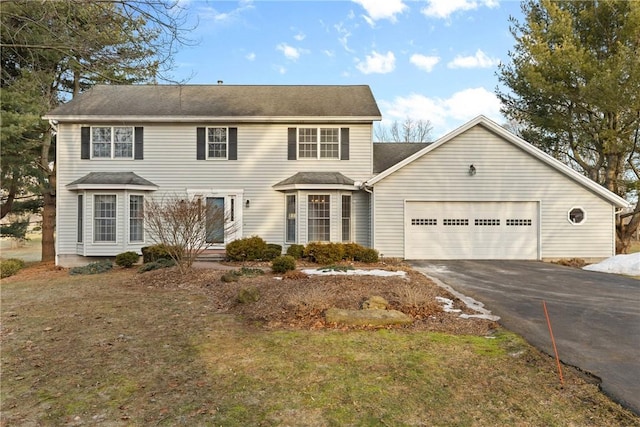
(595, 316)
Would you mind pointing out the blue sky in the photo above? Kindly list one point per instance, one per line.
(434, 60)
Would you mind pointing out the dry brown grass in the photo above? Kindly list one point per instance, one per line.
(123, 349)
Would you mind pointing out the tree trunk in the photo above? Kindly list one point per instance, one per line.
(48, 188)
(625, 230)
(48, 227)
(11, 196)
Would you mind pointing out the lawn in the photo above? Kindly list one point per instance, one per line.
(123, 348)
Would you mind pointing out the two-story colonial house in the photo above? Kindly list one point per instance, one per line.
(296, 164)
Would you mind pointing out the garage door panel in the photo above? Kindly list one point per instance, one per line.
(471, 230)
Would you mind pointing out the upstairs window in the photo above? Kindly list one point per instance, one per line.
(319, 143)
(217, 143)
(577, 216)
(112, 142)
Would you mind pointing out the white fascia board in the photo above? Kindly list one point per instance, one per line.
(517, 141)
(112, 187)
(213, 119)
(318, 187)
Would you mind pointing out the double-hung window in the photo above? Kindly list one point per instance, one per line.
(346, 218)
(112, 142)
(136, 218)
(291, 218)
(104, 218)
(217, 143)
(319, 143)
(319, 220)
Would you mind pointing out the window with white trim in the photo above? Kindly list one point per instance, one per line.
(217, 143)
(346, 217)
(80, 225)
(104, 218)
(291, 218)
(319, 220)
(112, 142)
(319, 143)
(136, 218)
(577, 215)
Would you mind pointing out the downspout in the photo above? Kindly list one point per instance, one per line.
(369, 189)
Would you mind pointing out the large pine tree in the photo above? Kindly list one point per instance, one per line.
(573, 88)
(52, 51)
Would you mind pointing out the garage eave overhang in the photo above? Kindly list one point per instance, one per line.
(517, 141)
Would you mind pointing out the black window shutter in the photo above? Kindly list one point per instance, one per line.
(292, 144)
(138, 137)
(200, 150)
(344, 144)
(85, 143)
(233, 143)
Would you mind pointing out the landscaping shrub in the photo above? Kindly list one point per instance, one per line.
(127, 259)
(156, 265)
(230, 276)
(294, 275)
(283, 263)
(93, 268)
(251, 272)
(272, 251)
(246, 249)
(351, 250)
(367, 255)
(324, 253)
(9, 267)
(248, 295)
(296, 251)
(160, 251)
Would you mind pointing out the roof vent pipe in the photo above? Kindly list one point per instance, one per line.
(220, 82)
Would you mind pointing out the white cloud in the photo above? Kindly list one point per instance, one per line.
(251, 56)
(443, 9)
(300, 36)
(479, 60)
(291, 52)
(378, 63)
(329, 53)
(211, 14)
(424, 62)
(382, 9)
(344, 36)
(445, 114)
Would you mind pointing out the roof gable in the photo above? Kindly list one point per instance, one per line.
(518, 142)
(232, 102)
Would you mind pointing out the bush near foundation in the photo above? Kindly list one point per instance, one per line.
(127, 259)
(9, 267)
(246, 249)
(283, 263)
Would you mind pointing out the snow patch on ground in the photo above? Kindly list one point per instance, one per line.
(357, 272)
(619, 264)
(474, 305)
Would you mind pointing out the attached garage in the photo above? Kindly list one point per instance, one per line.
(471, 230)
(481, 192)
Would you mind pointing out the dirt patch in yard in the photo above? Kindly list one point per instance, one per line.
(300, 303)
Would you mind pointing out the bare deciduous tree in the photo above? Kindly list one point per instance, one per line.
(184, 225)
(410, 130)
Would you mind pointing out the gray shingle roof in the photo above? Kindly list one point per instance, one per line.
(387, 154)
(316, 178)
(221, 101)
(112, 178)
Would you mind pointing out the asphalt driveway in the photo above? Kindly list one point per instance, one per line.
(595, 316)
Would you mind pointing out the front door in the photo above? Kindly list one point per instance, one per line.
(215, 220)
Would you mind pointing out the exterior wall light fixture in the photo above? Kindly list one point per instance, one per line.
(472, 170)
(248, 204)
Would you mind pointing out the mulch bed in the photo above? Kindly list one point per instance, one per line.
(300, 302)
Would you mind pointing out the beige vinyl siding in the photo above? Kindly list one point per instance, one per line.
(170, 163)
(504, 173)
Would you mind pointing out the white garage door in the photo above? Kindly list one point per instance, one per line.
(471, 230)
